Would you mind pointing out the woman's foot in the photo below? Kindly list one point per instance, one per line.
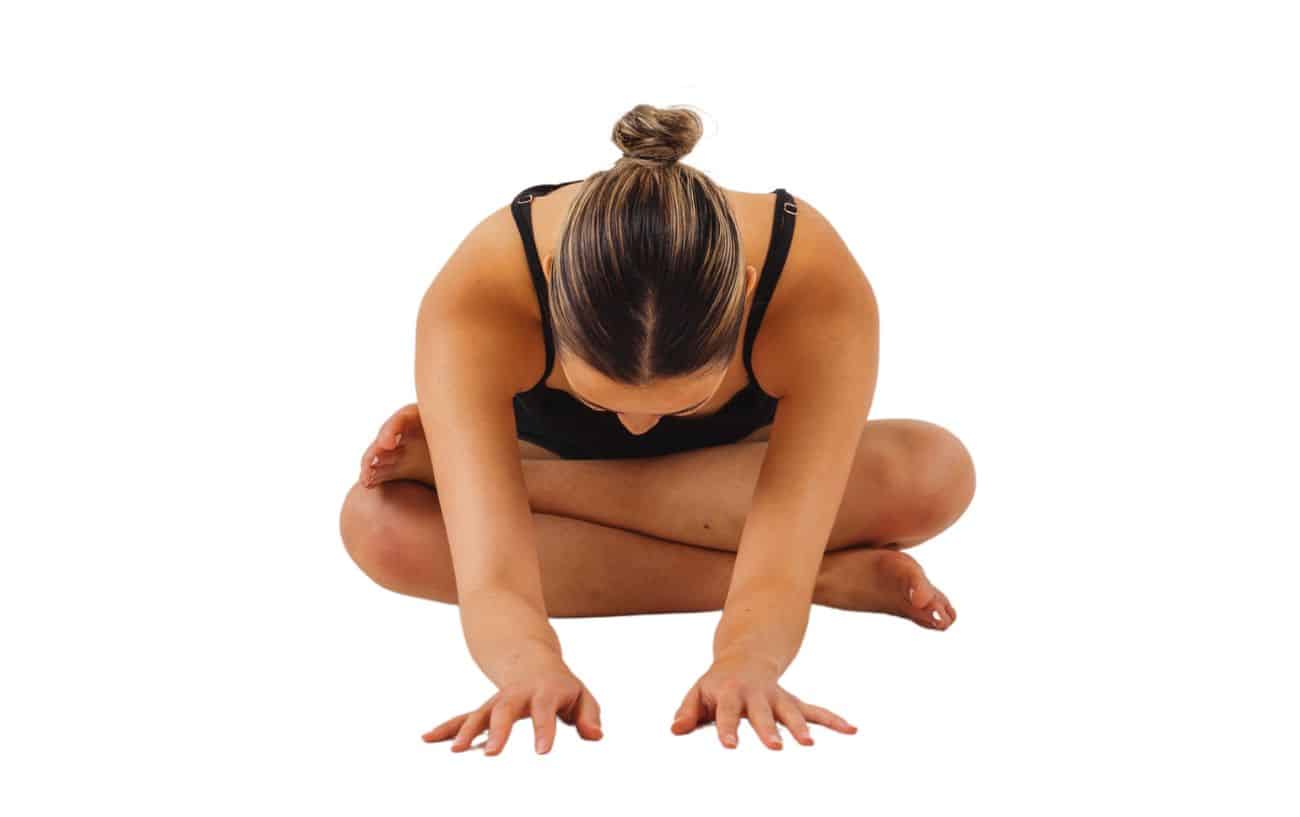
(398, 452)
(882, 580)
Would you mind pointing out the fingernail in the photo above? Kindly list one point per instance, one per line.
(910, 591)
(375, 461)
(398, 441)
(539, 746)
(730, 740)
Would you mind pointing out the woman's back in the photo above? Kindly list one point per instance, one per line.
(548, 414)
(654, 292)
(490, 274)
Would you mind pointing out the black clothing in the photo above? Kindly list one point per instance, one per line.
(555, 420)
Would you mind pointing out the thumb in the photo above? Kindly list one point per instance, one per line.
(688, 714)
(587, 718)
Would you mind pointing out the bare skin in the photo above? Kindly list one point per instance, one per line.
(599, 567)
(617, 537)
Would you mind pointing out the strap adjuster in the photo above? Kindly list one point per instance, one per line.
(524, 199)
(790, 207)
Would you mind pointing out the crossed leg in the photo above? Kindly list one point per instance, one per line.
(618, 537)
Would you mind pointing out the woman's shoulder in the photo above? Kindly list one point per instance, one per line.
(486, 283)
(819, 279)
(817, 267)
(485, 267)
(819, 262)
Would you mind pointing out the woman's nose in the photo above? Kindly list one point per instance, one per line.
(638, 423)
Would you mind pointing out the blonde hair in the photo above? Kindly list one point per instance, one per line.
(648, 276)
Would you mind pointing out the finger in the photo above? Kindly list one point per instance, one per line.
(473, 726)
(504, 715)
(688, 714)
(587, 716)
(445, 729)
(759, 712)
(787, 711)
(825, 717)
(543, 712)
(952, 613)
(728, 715)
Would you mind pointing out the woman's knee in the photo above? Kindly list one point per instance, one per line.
(912, 479)
(940, 474)
(389, 529)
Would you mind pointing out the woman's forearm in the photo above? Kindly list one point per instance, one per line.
(508, 635)
(466, 373)
(763, 622)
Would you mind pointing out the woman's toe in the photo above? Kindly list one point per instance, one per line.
(940, 612)
(920, 593)
(376, 474)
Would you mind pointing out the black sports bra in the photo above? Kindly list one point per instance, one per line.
(567, 423)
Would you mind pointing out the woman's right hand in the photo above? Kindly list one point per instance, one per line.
(544, 694)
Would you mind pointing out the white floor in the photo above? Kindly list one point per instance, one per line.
(1080, 223)
(262, 670)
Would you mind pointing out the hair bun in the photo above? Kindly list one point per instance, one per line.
(657, 136)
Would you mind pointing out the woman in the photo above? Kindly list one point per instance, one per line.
(601, 429)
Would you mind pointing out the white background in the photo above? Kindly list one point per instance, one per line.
(217, 220)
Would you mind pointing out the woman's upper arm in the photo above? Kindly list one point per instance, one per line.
(471, 358)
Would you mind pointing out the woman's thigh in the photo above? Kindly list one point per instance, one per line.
(910, 479)
(532, 451)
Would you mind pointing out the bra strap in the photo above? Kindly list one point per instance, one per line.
(523, 214)
(778, 247)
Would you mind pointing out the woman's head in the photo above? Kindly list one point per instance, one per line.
(648, 284)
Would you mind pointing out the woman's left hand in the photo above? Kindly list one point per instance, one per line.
(736, 687)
